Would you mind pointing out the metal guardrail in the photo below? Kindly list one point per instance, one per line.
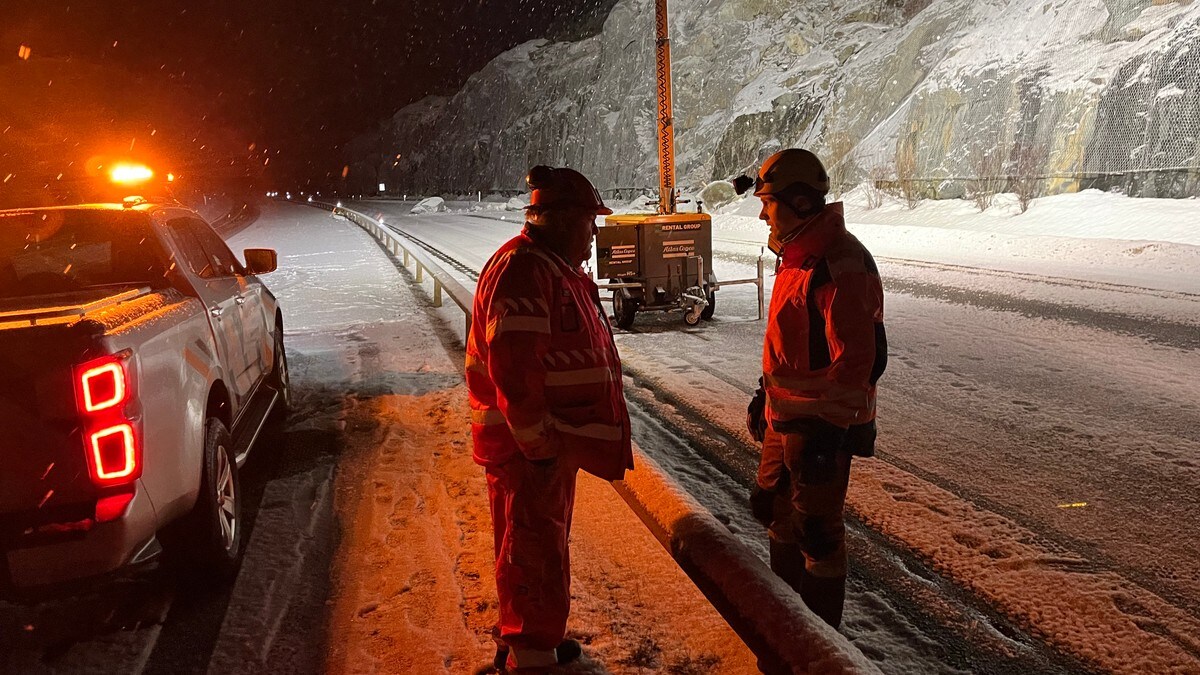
(757, 281)
(409, 254)
(767, 614)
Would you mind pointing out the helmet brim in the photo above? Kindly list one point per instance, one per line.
(600, 210)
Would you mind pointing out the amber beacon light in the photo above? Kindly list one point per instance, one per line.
(130, 174)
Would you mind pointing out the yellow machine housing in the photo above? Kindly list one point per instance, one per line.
(661, 261)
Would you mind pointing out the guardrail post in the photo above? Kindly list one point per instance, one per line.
(437, 293)
(406, 257)
(420, 272)
(761, 293)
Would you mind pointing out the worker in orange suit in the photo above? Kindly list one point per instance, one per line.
(824, 351)
(544, 382)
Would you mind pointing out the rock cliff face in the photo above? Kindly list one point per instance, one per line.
(1079, 93)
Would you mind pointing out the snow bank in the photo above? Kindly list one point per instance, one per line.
(764, 610)
(1091, 235)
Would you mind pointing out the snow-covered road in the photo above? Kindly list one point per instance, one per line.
(1040, 440)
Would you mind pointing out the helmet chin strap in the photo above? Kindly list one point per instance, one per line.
(776, 245)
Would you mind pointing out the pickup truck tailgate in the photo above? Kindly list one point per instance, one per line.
(43, 468)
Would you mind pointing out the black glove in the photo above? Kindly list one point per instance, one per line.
(756, 418)
(818, 461)
(762, 504)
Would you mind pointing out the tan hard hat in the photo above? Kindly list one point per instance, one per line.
(789, 167)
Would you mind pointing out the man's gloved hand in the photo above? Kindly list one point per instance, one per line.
(818, 462)
(756, 414)
(762, 504)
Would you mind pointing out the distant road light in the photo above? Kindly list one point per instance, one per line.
(382, 187)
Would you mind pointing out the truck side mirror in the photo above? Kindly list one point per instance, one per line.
(261, 260)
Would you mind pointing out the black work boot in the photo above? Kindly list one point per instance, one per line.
(531, 659)
(825, 596)
(787, 562)
(501, 657)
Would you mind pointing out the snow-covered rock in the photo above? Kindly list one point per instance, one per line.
(429, 205)
(517, 203)
(1080, 81)
(717, 194)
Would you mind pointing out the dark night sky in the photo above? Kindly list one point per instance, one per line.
(297, 76)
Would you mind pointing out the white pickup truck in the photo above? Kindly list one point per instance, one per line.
(139, 361)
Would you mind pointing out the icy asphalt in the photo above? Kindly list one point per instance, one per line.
(1039, 454)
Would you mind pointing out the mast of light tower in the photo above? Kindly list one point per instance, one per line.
(666, 128)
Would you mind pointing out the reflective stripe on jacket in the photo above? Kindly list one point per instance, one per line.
(825, 344)
(543, 374)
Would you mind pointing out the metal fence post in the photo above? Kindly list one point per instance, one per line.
(420, 272)
(406, 257)
(437, 292)
(760, 288)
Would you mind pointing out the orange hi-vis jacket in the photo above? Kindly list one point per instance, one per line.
(825, 344)
(543, 374)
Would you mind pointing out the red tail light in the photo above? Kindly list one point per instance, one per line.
(114, 457)
(103, 384)
(103, 390)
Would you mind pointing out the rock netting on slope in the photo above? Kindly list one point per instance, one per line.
(1079, 93)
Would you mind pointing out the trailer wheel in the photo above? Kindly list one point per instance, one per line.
(692, 316)
(625, 307)
(707, 314)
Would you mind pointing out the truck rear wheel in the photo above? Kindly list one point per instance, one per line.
(208, 542)
(281, 379)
